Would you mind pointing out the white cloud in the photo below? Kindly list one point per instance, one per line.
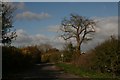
(32, 16)
(54, 28)
(24, 39)
(108, 26)
(57, 42)
(105, 27)
(39, 38)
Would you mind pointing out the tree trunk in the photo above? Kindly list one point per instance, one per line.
(78, 49)
(77, 55)
(78, 46)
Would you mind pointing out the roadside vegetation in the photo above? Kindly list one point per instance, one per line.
(83, 72)
(101, 62)
(20, 59)
(16, 59)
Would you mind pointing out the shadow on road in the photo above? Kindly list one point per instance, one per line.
(44, 71)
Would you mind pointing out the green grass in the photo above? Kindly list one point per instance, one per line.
(82, 72)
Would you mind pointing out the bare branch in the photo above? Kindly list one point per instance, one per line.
(77, 27)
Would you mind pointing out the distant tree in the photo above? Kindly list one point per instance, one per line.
(53, 50)
(77, 27)
(34, 52)
(68, 51)
(69, 47)
(7, 23)
(44, 47)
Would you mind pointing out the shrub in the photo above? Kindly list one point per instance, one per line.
(14, 60)
(107, 56)
(51, 57)
(55, 57)
(34, 52)
(85, 60)
(45, 58)
(68, 52)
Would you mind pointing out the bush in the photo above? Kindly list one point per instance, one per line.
(14, 60)
(45, 58)
(34, 52)
(55, 57)
(107, 56)
(68, 52)
(85, 60)
(51, 57)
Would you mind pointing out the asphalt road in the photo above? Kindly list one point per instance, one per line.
(46, 71)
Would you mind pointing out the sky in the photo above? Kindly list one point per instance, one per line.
(38, 22)
(60, 0)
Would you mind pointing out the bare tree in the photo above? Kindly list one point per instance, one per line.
(77, 27)
(6, 11)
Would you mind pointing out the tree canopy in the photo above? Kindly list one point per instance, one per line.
(7, 11)
(77, 27)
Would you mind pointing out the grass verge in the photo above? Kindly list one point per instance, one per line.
(69, 68)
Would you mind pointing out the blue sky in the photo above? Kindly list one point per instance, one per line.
(39, 17)
(58, 11)
(62, 0)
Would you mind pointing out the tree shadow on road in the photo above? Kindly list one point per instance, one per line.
(37, 72)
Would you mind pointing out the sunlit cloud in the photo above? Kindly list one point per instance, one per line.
(24, 39)
(54, 28)
(27, 15)
(105, 27)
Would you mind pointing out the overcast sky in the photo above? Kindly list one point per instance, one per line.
(38, 22)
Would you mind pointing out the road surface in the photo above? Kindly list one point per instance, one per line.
(46, 71)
